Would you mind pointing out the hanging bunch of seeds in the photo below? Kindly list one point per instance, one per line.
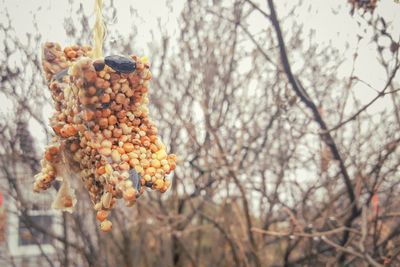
(102, 130)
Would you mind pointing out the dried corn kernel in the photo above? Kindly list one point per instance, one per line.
(102, 215)
(106, 226)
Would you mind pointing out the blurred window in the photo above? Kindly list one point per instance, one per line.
(30, 235)
(23, 237)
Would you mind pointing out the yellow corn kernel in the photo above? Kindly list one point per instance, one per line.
(144, 59)
(161, 154)
(155, 163)
(108, 168)
(106, 226)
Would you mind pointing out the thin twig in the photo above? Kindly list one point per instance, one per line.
(303, 234)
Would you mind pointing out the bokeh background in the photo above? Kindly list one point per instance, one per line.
(284, 115)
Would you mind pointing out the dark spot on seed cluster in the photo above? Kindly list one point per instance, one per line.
(98, 65)
(120, 64)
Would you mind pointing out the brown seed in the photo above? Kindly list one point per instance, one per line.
(103, 123)
(117, 132)
(120, 98)
(105, 98)
(120, 150)
(139, 65)
(128, 147)
(106, 84)
(69, 119)
(68, 130)
(90, 76)
(123, 120)
(116, 107)
(134, 80)
(114, 77)
(53, 150)
(98, 114)
(73, 147)
(94, 100)
(144, 139)
(100, 83)
(136, 122)
(105, 113)
(101, 170)
(107, 133)
(144, 89)
(125, 87)
(153, 148)
(81, 128)
(91, 90)
(116, 87)
(121, 114)
(71, 54)
(88, 135)
(163, 189)
(129, 93)
(67, 201)
(96, 128)
(84, 100)
(112, 120)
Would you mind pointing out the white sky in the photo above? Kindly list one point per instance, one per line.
(50, 16)
(332, 25)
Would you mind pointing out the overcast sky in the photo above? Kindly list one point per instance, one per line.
(329, 19)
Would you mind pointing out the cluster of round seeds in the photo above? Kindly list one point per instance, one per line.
(102, 127)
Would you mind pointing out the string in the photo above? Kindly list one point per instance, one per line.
(99, 30)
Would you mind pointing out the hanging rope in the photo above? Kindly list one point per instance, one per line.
(99, 30)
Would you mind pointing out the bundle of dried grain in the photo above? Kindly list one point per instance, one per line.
(102, 129)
